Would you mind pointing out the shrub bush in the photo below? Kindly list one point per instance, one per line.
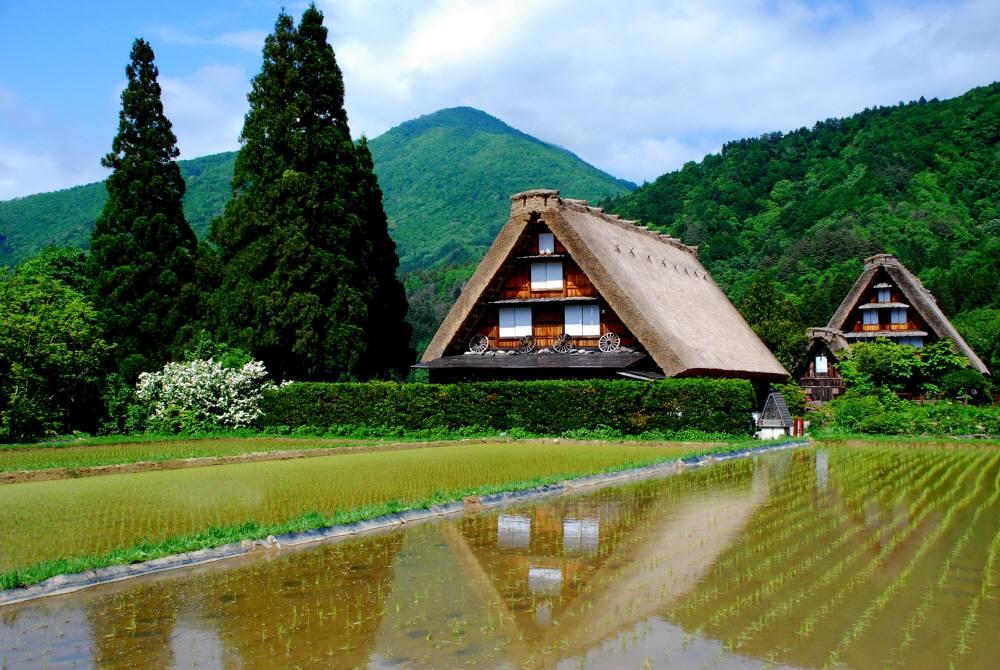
(201, 395)
(889, 416)
(544, 407)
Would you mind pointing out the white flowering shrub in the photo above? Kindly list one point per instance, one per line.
(201, 394)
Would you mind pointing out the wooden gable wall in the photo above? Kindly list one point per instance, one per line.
(513, 283)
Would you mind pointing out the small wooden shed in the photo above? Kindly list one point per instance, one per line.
(775, 420)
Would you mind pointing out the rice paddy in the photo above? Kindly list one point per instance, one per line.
(40, 457)
(49, 520)
(833, 557)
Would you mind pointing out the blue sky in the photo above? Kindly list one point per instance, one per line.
(636, 87)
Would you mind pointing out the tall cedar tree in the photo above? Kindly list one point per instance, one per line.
(389, 350)
(142, 260)
(302, 266)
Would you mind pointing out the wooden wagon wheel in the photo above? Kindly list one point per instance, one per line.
(563, 344)
(527, 344)
(479, 344)
(609, 342)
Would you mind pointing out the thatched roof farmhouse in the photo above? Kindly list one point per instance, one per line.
(887, 301)
(568, 290)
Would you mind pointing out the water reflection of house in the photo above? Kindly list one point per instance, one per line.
(595, 566)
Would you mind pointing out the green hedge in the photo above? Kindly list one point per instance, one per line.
(546, 407)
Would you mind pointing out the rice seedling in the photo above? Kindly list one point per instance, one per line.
(56, 520)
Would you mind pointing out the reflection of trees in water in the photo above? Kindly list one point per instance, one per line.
(133, 627)
(316, 607)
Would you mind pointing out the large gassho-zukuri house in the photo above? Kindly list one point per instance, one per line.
(567, 290)
(887, 301)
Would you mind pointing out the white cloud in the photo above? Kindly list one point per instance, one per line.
(638, 88)
(246, 40)
(206, 108)
(24, 171)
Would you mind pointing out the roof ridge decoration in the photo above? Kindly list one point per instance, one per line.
(654, 283)
(919, 299)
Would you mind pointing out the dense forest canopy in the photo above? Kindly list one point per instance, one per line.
(921, 181)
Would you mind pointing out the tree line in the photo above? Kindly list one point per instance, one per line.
(299, 271)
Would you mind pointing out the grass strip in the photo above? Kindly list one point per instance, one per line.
(215, 536)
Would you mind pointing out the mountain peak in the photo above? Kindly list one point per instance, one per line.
(466, 119)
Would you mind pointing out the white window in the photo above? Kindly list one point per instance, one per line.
(870, 317)
(883, 295)
(899, 315)
(583, 320)
(546, 243)
(515, 321)
(822, 367)
(917, 342)
(546, 276)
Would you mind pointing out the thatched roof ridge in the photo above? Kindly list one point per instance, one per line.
(655, 284)
(920, 299)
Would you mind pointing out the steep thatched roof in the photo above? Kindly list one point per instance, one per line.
(919, 298)
(654, 283)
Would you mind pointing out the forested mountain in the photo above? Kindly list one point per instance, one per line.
(921, 181)
(446, 176)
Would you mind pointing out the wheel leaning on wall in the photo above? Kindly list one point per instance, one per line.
(527, 344)
(609, 342)
(479, 344)
(563, 344)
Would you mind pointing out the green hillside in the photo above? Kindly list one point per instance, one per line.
(447, 179)
(921, 181)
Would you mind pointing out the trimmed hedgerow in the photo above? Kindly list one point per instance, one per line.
(543, 407)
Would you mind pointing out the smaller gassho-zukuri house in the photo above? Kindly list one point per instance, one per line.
(887, 301)
(567, 290)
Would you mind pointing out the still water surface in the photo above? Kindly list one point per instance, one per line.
(860, 557)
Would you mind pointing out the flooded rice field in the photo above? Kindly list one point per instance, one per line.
(857, 557)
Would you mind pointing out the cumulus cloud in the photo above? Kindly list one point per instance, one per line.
(25, 170)
(639, 88)
(247, 40)
(206, 108)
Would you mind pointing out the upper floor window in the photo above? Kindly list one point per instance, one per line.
(583, 320)
(870, 317)
(883, 295)
(547, 276)
(898, 315)
(822, 365)
(546, 244)
(515, 321)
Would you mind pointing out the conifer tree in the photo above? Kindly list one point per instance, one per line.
(142, 264)
(388, 337)
(298, 285)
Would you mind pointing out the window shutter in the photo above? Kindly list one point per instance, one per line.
(508, 323)
(574, 320)
(523, 316)
(591, 320)
(539, 280)
(554, 276)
